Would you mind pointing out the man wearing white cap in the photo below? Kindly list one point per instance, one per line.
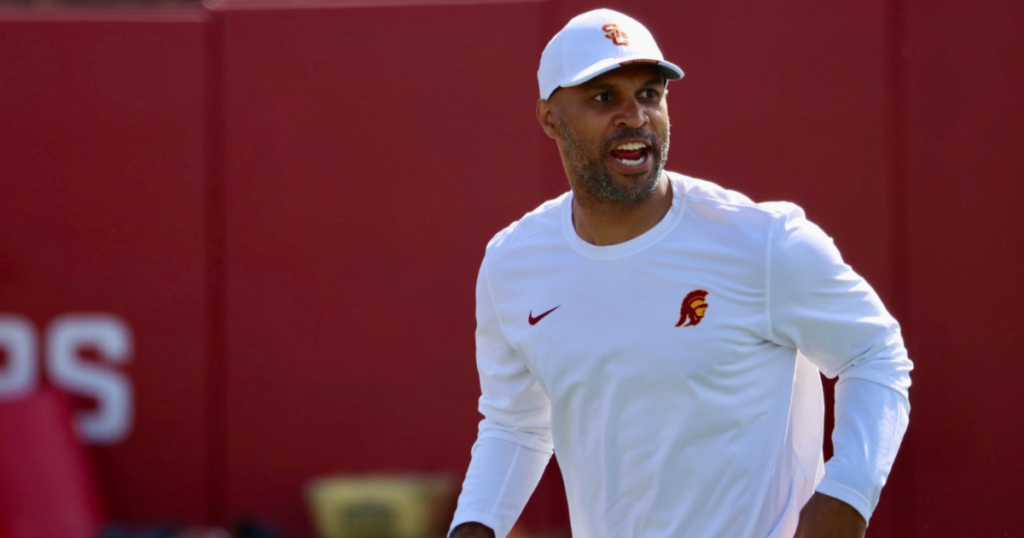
(665, 335)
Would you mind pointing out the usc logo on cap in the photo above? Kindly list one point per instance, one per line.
(617, 36)
(693, 308)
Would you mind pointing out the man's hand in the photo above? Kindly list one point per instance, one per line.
(472, 530)
(828, 517)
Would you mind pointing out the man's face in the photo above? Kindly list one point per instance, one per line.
(613, 133)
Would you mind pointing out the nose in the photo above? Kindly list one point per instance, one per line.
(631, 114)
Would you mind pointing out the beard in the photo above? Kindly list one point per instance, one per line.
(595, 178)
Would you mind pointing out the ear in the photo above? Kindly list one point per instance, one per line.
(547, 116)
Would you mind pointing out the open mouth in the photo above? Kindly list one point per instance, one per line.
(632, 154)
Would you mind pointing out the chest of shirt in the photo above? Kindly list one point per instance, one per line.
(636, 323)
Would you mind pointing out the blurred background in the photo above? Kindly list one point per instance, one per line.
(238, 241)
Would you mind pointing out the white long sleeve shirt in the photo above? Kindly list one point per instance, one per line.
(671, 420)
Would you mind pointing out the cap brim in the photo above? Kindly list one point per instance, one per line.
(670, 70)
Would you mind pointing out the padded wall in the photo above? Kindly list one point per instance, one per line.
(965, 125)
(103, 169)
(371, 153)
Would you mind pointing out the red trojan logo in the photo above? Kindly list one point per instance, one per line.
(617, 36)
(693, 309)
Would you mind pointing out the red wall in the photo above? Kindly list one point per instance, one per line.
(103, 171)
(964, 166)
(361, 186)
(287, 206)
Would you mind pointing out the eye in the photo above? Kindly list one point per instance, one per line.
(603, 97)
(651, 94)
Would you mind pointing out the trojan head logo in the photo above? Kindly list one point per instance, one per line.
(611, 31)
(693, 309)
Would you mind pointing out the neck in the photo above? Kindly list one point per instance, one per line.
(605, 222)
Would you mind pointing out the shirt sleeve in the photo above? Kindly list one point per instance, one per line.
(819, 305)
(514, 442)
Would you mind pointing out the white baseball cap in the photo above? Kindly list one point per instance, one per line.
(593, 44)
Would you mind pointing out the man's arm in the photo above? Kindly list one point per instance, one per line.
(514, 442)
(820, 306)
(501, 477)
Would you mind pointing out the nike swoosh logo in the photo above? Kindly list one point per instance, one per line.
(534, 320)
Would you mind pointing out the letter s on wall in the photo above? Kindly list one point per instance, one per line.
(112, 420)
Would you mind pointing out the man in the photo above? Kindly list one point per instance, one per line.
(665, 335)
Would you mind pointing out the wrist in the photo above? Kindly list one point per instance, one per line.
(472, 530)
